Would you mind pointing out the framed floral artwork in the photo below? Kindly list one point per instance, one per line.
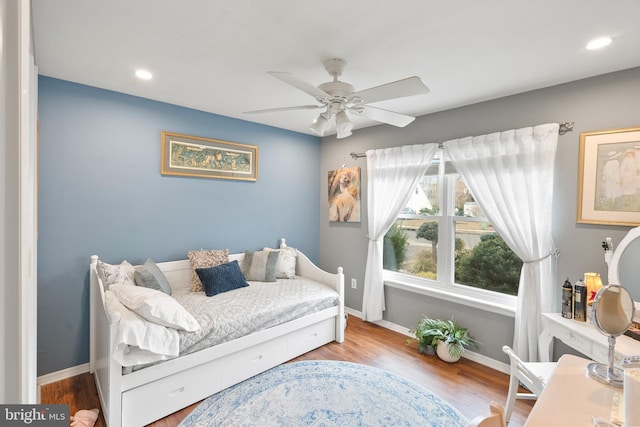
(185, 155)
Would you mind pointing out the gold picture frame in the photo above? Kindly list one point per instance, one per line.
(186, 155)
(609, 177)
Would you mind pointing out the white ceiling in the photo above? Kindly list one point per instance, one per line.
(212, 55)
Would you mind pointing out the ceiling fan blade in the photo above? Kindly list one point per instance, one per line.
(299, 84)
(399, 89)
(385, 116)
(299, 107)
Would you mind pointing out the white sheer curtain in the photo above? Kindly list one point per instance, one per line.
(392, 173)
(511, 177)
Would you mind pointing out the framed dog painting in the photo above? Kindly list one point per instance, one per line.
(344, 195)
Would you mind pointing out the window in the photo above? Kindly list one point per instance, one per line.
(443, 239)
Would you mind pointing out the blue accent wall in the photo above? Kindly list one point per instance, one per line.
(101, 192)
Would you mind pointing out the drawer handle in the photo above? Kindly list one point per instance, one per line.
(257, 358)
(314, 335)
(176, 392)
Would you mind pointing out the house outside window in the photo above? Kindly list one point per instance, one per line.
(442, 240)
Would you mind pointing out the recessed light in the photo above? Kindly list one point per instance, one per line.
(599, 43)
(143, 74)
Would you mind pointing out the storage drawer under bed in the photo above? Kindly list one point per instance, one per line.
(179, 390)
(311, 337)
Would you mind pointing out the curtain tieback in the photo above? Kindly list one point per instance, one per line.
(555, 252)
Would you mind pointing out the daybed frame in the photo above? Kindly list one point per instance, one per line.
(146, 395)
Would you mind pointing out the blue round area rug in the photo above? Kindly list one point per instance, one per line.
(327, 394)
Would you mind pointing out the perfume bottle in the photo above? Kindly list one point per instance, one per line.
(580, 301)
(567, 299)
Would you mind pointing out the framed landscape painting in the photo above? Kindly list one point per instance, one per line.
(609, 177)
(344, 195)
(185, 155)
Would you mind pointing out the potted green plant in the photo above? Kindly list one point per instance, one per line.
(447, 339)
(427, 332)
(453, 342)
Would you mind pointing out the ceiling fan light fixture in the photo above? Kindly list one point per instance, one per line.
(337, 97)
(358, 109)
(343, 125)
(319, 125)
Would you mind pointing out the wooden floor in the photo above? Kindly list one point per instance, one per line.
(466, 385)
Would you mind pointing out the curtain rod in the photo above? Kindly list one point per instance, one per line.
(564, 128)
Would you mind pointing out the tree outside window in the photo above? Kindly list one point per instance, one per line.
(478, 256)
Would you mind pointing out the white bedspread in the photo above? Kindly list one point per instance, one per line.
(260, 305)
(223, 317)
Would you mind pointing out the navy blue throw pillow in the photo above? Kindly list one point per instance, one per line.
(221, 278)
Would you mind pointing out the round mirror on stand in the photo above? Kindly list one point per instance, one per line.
(612, 314)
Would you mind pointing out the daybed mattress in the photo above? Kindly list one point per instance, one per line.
(260, 305)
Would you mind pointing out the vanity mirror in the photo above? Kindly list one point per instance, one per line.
(612, 314)
(624, 268)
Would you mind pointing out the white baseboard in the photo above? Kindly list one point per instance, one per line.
(63, 374)
(468, 354)
(59, 376)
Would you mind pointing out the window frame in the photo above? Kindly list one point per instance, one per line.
(445, 287)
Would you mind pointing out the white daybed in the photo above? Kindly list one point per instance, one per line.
(146, 395)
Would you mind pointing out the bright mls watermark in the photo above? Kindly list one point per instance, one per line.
(34, 415)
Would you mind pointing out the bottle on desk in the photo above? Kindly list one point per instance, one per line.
(580, 301)
(567, 299)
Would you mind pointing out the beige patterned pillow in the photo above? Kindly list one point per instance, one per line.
(205, 259)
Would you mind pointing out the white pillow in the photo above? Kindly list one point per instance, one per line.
(155, 306)
(286, 264)
(139, 341)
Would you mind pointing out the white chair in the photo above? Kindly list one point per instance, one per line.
(533, 375)
(496, 419)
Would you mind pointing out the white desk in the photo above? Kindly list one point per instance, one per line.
(571, 398)
(582, 336)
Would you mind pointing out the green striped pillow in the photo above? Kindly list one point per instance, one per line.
(260, 266)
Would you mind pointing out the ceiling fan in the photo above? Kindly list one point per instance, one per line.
(338, 98)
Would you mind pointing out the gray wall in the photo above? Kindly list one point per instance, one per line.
(9, 202)
(605, 102)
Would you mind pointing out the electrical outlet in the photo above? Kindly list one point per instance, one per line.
(354, 283)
